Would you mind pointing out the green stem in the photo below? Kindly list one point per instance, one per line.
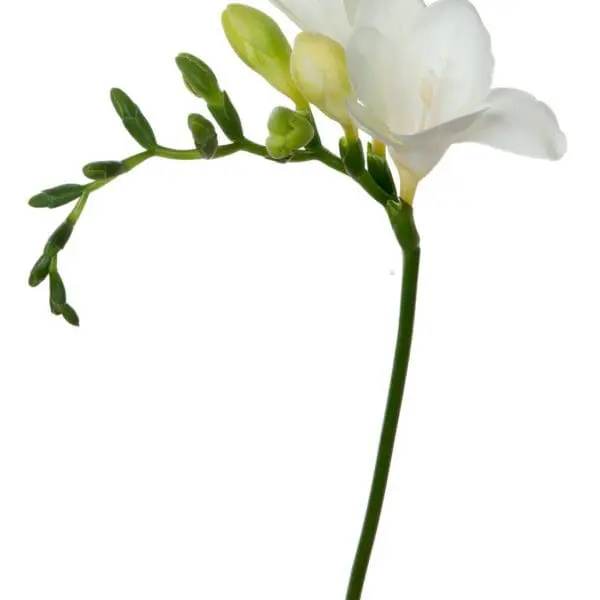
(390, 423)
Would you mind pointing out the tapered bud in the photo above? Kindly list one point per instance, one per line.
(104, 170)
(199, 78)
(289, 131)
(205, 135)
(40, 270)
(69, 315)
(380, 171)
(133, 119)
(58, 294)
(321, 74)
(259, 42)
(57, 196)
(59, 239)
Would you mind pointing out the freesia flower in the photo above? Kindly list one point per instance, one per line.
(422, 81)
(422, 78)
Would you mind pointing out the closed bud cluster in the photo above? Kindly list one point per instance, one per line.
(289, 131)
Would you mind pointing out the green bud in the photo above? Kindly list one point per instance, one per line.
(57, 196)
(58, 293)
(351, 152)
(380, 171)
(104, 170)
(59, 239)
(227, 117)
(289, 131)
(199, 78)
(205, 135)
(40, 270)
(259, 42)
(69, 315)
(133, 119)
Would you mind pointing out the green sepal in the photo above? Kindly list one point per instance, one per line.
(102, 170)
(133, 119)
(59, 239)
(199, 78)
(380, 170)
(40, 270)
(57, 196)
(401, 217)
(353, 157)
(58, 293)
(204, 134)
(289, 131)
(69, 315)
(227, 117)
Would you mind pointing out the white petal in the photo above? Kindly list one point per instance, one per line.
(421, 152)
(369, 58)
(444, 66)
(391, 17)
(351, 10)
(318, 16)
(517, 122)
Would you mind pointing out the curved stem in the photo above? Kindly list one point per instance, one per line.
(390, 423)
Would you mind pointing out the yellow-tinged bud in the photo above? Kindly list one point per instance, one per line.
(259, 42)
(320, 72)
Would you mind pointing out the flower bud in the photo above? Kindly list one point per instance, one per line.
(321, 74)
(69, 315)
(133, 119)
(380, 171)
(353, 157)
(59, 239)
(40, 270)
(57, 196)
(259, 42)
(289, 131)
(205, 135)
(100, 171)
(58, 293)
(199, 78)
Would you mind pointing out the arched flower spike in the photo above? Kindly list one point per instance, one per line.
(417, 78)
(422, 78)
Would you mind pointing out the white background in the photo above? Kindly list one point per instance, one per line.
(210, 430)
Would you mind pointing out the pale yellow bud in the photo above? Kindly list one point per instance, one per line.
(259, 42)
(321, 74)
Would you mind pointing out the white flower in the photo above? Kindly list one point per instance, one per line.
(332, 18)
(422, 78)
